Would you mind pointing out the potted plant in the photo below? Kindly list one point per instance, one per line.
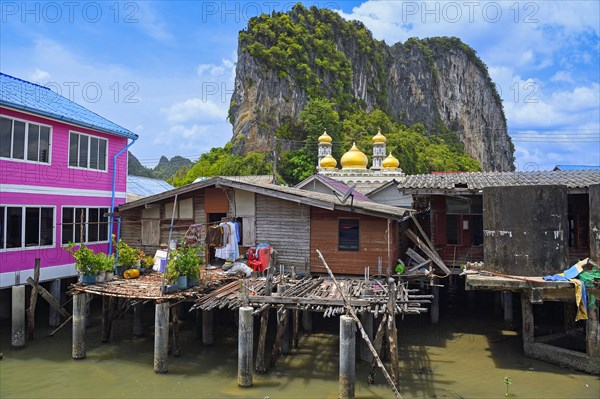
(127, 257)
(146, 263)
(105, 265)
(171, 277)
(187, 264)
(85, 262)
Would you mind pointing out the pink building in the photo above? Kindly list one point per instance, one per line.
(63, 168)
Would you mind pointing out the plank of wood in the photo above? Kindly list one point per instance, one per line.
(427, 240)
(433, 255)
(415, 256)
(33, 299)
(48, 297)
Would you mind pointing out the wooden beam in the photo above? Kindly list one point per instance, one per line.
(431, 253)
(415, 256)
(33, 299)
(48, 297)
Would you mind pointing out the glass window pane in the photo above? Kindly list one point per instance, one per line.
(47, 224)
(102, 155)
(103, 233)
(33, 137)
(348, 234)
(19, 140)
(83, 151)
(44, 144)
(5, 137)
(73, 148)
(93, 153)
(93, 225)
(67, 225)
(14, 218)
(32, 227)
(2, 223)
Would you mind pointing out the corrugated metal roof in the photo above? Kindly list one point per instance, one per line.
(480, 180)
(145, 186)
(30, 97)
(326, 201)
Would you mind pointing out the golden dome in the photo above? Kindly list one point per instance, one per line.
(354, 159)
(379, 138)
(325, 138)
(390, 162)
(328, 162)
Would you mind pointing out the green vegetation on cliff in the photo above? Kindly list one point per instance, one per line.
(303, 46)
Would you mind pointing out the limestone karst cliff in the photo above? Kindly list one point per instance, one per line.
(286, 59)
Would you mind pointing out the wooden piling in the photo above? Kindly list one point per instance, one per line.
(296, 328)
(79, 320)
(245, 346)
(435, 305)
(33, 300)
(138, 319)
(285, 338)
(507, 302)
(208, 333)
(307, 321)
(393, 332)
(106, 319)
(54, 315)
(593, 332)
(161, 337)
(175, 323)
(17, 337)
(262, 340)
(527, 321)
(364, 353)
(347, 357)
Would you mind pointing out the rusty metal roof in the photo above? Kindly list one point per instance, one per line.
(573, 179)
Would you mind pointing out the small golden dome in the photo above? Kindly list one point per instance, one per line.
(379, 138)
(354, 159)
(325, 138)
(390, 162)
(328, 162)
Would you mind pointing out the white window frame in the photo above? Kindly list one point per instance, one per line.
(89, 136)
(87, 219)
(23, 220)
(26, 149)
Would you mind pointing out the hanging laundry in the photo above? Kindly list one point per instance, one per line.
(214, 236)
(229, 251)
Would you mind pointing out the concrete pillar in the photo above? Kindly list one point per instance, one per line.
(245, 346)
(527, 333)
(434, 313)
(307, 320)
(507, 302)
(161, 337)
(138, 320)
(79, 318)
(593, 332)
(17, 339)
(365, 354)
(347, 357)
(208, 323)
(54, 316)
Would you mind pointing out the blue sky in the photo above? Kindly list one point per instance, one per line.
(165, 69)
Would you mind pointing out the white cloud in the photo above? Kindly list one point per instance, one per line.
(40, 76)
(562, 76)
(150, 21)
(195, 109)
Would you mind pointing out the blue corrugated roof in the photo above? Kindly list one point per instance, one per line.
(30, 97)
(145, 186)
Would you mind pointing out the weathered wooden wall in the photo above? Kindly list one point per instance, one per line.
(595, 222)
(286, 225)
(373, 241)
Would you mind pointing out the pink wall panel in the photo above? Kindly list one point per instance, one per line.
(57, 173)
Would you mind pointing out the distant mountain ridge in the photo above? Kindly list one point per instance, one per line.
(165, 170)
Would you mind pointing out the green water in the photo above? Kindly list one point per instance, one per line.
(459, 358)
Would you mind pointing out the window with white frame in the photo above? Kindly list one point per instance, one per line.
(26, 226)
(81, 224)
(22, 140)
(87, 151)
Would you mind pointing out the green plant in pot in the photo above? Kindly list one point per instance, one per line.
(187, 264)
(127, 257)
(171, 276)
(105, 264)
(85, 262)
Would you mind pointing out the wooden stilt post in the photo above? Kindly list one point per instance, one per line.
(307, 320)
(161, 337)
(392, 332)
(54, 315)
(208, 321)
(17, 337)
(347, 357)
(285, 338)
(507, 302)
(106, 318)
(593, 332)
(79, 316)
(377, 344)
(365, 354)
(33, 300)
(138, 319)
(296, 328)
(434, 314)
(527, 321)
(281, 327)
(175, 323)
(245, 346)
